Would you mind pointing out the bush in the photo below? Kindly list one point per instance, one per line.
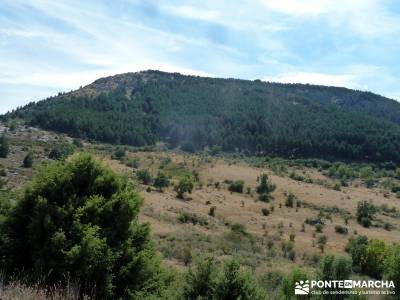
(265, 211)
(161, 181)
(119, 154)
(290, 198)
(365, 213)
(4, 146)
(61, 151)
(239, 228)
(185, 217)
(236, 186)
(356, 247)
(185, 185)
(265, 188)
(207, 281)
(79, 218)
(372, 260)
(391, 266)
(334, 268)
(28, 160)
(144, 176)
(289, 282)
(341, 229)
(133, 163)
(319, 227)
(321, 241)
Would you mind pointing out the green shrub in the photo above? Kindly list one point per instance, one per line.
(391, 266)
(144, 176)
(119, 153)
(161, 181)
(372, 260)
(356, 247)
(186, 217)
(185, 185)
(4, 146)
(236, 186)
(290, 198)
(61, 151)
(28, 160)
(265, 211)
(79, 218)
(341, 229)
(207, 281)
(289, 282)
(365, 213)
(265, 188)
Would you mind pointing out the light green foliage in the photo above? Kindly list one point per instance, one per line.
(372, 260)
(119, 153)
(368, 176)
(392, 266)
(61, 151)
(357, 247)
(334, 268)
(78, 218)
(144, 176)
(208, 282)
(289, 282)
(185, 185)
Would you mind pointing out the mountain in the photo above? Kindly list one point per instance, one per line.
(291, 120)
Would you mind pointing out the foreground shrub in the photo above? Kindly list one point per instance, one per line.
(78, 218)
(207, 281)
(391, 266)
(357, 247)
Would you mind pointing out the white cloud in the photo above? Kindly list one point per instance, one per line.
(297, 7)
(192, 12)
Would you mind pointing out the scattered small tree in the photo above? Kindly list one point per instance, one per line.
(119, 153)
(265, 188)
(391, 266)
(144, 176)
(161, 181)
(290, 198)
(185, 185)
(4, 146)
(365, 213)
(265, 211)
(236, 186)
(357, 247)
(372, 260)
(321, 241)
(289, 282)
(28, 160)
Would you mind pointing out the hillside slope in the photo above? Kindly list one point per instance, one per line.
(290, 120)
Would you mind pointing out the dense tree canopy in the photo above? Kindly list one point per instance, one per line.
(251, 116)
(79, 219)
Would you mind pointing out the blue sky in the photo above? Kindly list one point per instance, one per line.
(52, 46)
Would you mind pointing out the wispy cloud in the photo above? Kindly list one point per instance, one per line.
(60, 45)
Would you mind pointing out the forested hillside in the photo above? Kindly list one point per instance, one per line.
(290, 120)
